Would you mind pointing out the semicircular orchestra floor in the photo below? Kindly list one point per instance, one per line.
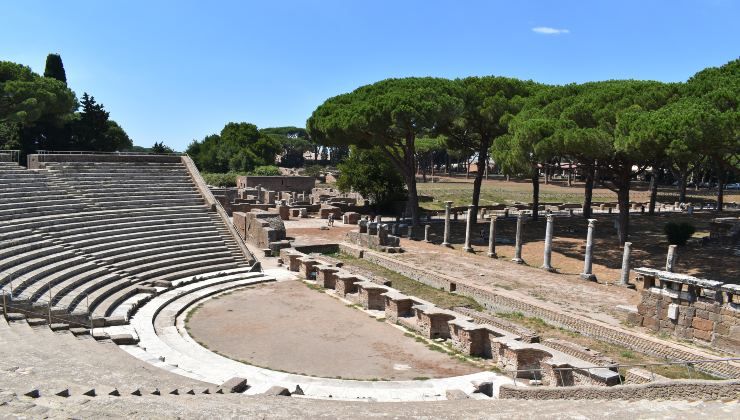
(289, 327)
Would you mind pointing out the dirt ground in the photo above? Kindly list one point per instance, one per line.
(289, 327)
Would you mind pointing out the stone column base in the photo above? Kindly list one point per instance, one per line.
(548, 269)
(492, 255)
(518, 260)
(589, 277)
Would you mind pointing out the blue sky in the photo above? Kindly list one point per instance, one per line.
(174, 71)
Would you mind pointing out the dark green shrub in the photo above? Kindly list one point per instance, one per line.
(268, 170)
(313, 170)
(220, 179)
(678, 233)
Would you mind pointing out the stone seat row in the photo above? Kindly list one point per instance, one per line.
(506, 349)
(122, 231)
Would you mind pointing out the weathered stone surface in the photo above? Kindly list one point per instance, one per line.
(124, 339)
(456, 394)
(235, 385)
(277, 391)
(702, 324)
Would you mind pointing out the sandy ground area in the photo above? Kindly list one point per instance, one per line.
(287, 326)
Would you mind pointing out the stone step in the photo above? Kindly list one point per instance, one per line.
(30, 260)
(81, 234)
(162, 255)
(111, 241)
(148, 246)
(70, 298)
(163, 266)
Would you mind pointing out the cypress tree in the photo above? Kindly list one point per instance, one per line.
(55, 68)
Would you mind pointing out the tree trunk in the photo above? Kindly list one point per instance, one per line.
(478, 181)
(720, 190)
(412, 205)
(588, 192)
(535, 194)
(622, 181)
(653, 192)
(623, 198)
(682, 175)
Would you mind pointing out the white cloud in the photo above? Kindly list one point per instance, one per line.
(546, 30)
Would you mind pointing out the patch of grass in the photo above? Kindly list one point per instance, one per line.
(411, 287)
(516, 315)
(380, 319)
(421, 378)
(627, 354)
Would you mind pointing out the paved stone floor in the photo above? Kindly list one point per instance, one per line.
(287, 326)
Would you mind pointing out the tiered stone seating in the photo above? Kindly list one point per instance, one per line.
(129, 185)
(84, 237)
(27, 194)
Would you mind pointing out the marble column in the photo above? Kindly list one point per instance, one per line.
(468, 228)
(492, 238)
(426, 233)
(547, 259)
(446, 239)
(670, 263)
(410, 232)
(624, 278)
(587, 262)
(518, 245)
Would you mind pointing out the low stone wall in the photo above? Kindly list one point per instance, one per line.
(690, 308)
(528, 336)
(500, 302)
(673, 390)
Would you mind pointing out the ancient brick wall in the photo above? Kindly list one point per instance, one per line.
(700, 310)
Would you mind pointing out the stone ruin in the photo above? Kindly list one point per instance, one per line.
(374, 235)
(543, 364)
(264, 229)
(690, 308)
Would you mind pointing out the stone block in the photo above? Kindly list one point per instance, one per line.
(123, 339)
(702, 324)
(277, 391)
(634, 318)
(235, 385)
(456, 394)
(673, 311)
(350, 218)
(651, 323)
(703, 335)
(324, 212)
(485, 388)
